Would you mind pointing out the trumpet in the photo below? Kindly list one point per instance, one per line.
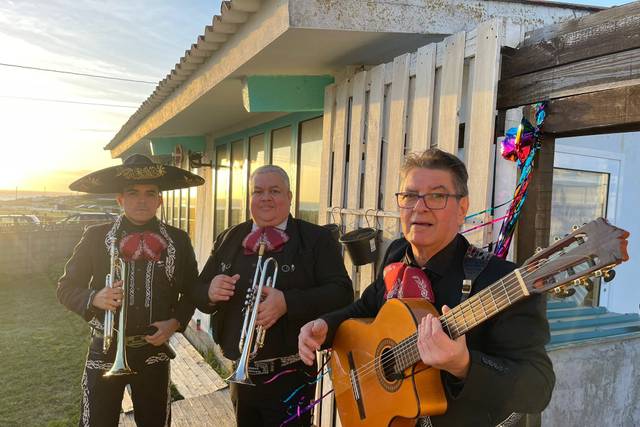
(108, 283)
(120, 365)
(250, 335)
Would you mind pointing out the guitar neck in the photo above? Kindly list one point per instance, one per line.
(470, 313)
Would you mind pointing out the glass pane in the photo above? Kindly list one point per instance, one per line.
(256, 152)
(281, 150)
(310, 158)
(222, 189)
(237, 181)
(578, 197)
(168, 206)
(176, 208)
(184, 207)
(193, 198)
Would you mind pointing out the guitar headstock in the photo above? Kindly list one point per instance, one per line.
(591, 250)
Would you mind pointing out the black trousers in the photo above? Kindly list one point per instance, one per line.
(263, 404)
(102, 397)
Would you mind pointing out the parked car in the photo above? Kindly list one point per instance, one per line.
(88, 218)
(18, 219)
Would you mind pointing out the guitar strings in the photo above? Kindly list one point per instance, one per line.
(397, 350)
(508, 291)
(400, 350)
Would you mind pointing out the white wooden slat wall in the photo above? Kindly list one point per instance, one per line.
(410, 104)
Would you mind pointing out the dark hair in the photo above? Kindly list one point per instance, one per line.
(434, 158)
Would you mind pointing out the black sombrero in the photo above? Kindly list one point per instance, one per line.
(137, 169)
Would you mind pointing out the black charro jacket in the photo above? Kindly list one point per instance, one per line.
(87, 268)
(311, 275)
(510, 370)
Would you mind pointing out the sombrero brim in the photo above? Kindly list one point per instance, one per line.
(115, 178)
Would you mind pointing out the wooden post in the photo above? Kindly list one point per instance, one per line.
(535, 218)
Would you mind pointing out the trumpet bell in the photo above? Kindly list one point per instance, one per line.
(240, 376)
(120, 366)
(119, 371)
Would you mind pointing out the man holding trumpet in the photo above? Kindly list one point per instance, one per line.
(310, 280)
(160, 268)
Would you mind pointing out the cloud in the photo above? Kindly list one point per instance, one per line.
(140, 39)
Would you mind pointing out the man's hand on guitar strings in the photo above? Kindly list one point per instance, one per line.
(438, 350)
(311, 337)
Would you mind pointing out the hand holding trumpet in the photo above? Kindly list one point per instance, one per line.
(222, 287)
(109, 298)
(272, 307)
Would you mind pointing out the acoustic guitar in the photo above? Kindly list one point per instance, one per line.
(377, 373)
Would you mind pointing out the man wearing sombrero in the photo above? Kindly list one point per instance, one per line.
(160, 270)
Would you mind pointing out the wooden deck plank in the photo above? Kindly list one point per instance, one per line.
(206, 400)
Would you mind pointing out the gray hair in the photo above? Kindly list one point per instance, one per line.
(434, 158)
(271, 169)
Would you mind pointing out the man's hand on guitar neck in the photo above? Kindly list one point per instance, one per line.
(311, 337)
(438, 350)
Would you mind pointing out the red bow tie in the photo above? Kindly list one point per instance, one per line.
(403, 281)
(145, 245)
(274, 239)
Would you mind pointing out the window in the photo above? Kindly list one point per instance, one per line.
(193, 199)
(238, 182)
(176, 208)
(292, 142)
(168, 202)
(281, 150)
(256, 152)
(310, 158)
(222, 189)
(578, 196)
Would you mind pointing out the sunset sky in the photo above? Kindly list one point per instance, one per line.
(52, 129)
(50, 132)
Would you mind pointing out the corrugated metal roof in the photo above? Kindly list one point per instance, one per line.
(233, 14)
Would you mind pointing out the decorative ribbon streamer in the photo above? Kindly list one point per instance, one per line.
(520, 145)
(304, 410)
(484, 224)
(316, 378)
(279, 374)
(488, 210)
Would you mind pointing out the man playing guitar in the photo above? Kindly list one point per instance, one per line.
(493, 374)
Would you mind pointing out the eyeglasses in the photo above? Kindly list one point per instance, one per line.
(433, 201)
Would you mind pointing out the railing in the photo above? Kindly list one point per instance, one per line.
(33, 248)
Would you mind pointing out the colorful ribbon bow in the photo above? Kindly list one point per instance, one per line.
(145, 245)
(273, 237)
(404, 281)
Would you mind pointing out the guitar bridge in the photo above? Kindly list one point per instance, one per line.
(355, 386)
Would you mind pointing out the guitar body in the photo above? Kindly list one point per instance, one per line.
(384, 400)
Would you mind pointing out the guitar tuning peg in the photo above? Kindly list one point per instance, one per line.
(538, 249)
(557, 238)
(575, 227)
(588, 284)
(563, 292)
(609, 275)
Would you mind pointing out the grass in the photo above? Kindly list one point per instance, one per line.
(42, 352)
(43, 347)
(215, 363)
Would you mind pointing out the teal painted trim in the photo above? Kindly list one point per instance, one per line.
(608, 319)
(575, 312)
(573, 337)
(288, 120)
(262, 94)
(165, 145)
(554, 305)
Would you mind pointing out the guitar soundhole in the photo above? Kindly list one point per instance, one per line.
(386, 366)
